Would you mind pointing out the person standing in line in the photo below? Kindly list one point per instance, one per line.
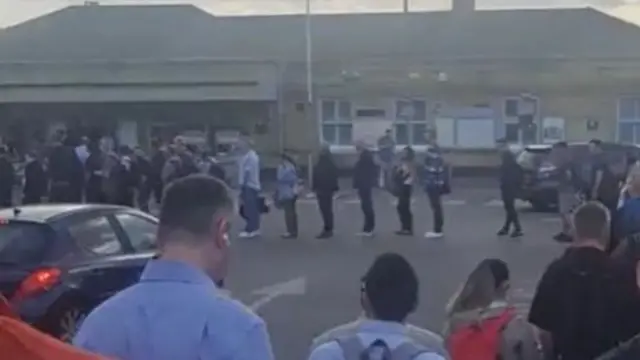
(325, 185)
(567, 190)
(7, 178)
(586, 302)
(287, 194)
(403, 177)
(364, 177)
(434, 184)
(140, 322)
(603, 183)
(158, 159)
(141, 172)
(35, 180)
(95, 173)
(249, 182)
(386, 152)
(510, 183)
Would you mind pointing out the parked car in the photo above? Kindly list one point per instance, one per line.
(540, 187)
(59, 261)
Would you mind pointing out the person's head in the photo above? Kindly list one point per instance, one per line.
(194, 224)
(287, 160)
(389, 289)
(595, 146)
(560, 152)
(489, 281)
(591, 223)
(138, 152)
(408, 154)
(388, 133)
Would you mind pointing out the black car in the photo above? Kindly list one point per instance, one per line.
(59, 261)
(540, 186)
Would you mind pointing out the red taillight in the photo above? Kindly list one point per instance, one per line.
(39, 281)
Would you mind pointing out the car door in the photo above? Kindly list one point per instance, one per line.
(104, 263)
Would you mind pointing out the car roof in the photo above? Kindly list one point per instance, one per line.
(50, 212)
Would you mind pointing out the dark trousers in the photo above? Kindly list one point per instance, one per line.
(325, 204)
(65, 193)
(144, 194)
(435, 201)
(404, 208)
(509, 201)
(31, 198)
(366, 204)
(290, 216)
(158, 187)
(249, 198)
(6, 196)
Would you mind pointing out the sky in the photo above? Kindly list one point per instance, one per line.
(16, 11)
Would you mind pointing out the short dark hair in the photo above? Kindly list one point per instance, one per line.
(391, 286)
(596, 142)
(561, 145)
(190, 204)
(499, 270)
(591, 221)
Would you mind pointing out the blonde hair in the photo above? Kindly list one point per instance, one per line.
(478, 292)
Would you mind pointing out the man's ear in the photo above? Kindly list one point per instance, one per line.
(221, 232)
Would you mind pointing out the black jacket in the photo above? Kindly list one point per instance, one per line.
(325, 175)
(365, 171)
(511, 174)
(35, 180)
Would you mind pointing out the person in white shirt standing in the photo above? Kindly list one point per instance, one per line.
(389, 293)
(249, 183)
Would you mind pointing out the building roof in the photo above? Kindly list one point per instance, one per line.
(115, 33)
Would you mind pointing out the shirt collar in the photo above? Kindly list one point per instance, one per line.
(174, 271)
(379, 326)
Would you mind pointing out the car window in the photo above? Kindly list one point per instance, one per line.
(96, 236)
(141, 232)
(23, 243)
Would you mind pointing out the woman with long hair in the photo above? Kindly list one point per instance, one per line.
(480, 316)
(403, 180)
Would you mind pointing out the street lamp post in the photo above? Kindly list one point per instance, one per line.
(405, 5)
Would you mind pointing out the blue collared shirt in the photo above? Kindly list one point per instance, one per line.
(393, 334)
(174, 312)
(249, 170)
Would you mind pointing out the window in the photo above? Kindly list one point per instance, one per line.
(520, 124)
(371, 113)
(141, 232)
(337, 127)
(96, 236)
(629, 120)
(411, 122)
(23, 243)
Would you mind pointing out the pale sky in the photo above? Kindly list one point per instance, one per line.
(16, 11)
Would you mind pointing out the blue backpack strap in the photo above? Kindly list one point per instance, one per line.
(407, 351)
(351, 346)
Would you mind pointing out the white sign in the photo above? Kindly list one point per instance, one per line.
(552, 130)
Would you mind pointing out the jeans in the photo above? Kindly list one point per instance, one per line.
(435, 201)
(404, 208)
(509, 201)
(249, 199)
(366, 204)
(325, 204)
(290, 216)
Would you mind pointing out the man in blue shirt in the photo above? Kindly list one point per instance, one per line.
(177, 310)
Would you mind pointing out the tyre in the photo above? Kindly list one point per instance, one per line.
(64, 319)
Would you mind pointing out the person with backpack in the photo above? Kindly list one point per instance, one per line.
(585, 301)
(483, 325)
(403, 180)
(388, 294)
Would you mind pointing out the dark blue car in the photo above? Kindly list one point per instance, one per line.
(59, 261)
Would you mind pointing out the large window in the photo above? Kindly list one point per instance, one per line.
(519, 115)
(337, 126)
(411, 122)
(629, 120)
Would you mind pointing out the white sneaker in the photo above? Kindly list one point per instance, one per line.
(249, 235)
(433, 235)
(365, 234)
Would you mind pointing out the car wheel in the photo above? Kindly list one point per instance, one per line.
(64, 321)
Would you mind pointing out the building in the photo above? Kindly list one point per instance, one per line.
(474, 76)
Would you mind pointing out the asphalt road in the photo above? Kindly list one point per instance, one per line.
(323, 275)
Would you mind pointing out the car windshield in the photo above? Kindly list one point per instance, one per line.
(22, 243)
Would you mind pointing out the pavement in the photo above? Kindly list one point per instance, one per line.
(304, 286)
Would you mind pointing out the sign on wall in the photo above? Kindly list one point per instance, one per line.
(553, 130)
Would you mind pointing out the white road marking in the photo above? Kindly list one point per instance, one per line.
(551, 220)
(454, 202)
(297, 286)
(497, 202)
(352, 201)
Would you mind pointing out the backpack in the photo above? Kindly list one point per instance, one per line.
(354, 349)
(479, 341)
